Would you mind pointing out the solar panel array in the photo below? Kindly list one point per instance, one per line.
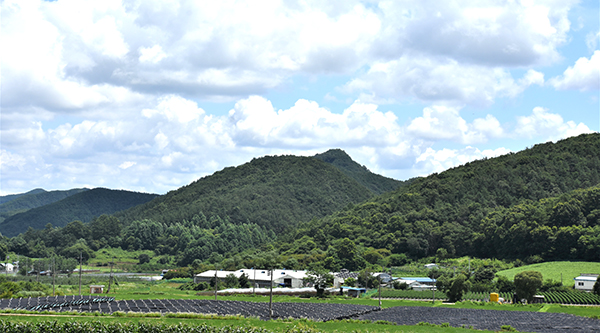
(315, 311)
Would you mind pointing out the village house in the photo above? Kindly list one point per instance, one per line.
(585, 281)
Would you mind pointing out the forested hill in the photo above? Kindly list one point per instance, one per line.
(82, 206)
(273, 191)
(375, 183)
(33, 199)
(10, 197)
(482, 208)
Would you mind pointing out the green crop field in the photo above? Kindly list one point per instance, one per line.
(554, 269)
(157, 324)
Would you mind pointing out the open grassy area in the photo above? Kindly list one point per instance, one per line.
(554, 269)
(124, 260)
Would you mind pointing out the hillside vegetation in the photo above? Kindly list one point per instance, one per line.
(233, 210)
(275, 192)
(536, 205)
(82, 206)
(18, 203)
(543, 201)
(10, 197)
(556, 270)
(375, 183)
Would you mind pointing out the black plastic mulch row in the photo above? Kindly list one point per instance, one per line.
(478, 319)
(487, 319)
(315, 311)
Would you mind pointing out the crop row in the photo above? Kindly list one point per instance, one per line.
(102, 327)
(575, 297)
(419, 294)
(571, 298)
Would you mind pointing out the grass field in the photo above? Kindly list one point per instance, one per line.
(554, 269)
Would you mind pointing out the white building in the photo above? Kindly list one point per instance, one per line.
(261, 278)
(8, 267)
(585, 281)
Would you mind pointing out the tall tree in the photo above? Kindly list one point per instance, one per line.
(527, 284)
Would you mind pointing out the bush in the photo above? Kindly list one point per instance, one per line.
(504, 285)
(143, 258)
(454, 287)
(400, 285)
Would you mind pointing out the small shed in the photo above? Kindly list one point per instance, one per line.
(96, 289)
(585, 281)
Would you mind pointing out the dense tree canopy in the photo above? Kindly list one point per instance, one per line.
(527, 284)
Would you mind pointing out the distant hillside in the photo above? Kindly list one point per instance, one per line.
(513, 206)
(82, 206)
(556, 270)
(273, 191)
(375, 183)
(20, 203)
(7, 198)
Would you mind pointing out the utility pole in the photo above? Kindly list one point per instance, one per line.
(111, 275)
(271, 297)
(80, 259)
(254, 282)
(469, 266)
(379, 279)
(53, 275)
(216, 282)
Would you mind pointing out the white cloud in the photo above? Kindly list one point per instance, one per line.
(127, 165)
(546, 125)
(79, 51)
(439, 80)
(152, 54)
(514, 33)
(255, 122)
(445, 123)
(439, 160)
(583, 76)
(591, 40)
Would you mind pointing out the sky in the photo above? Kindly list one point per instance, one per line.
(150, 95)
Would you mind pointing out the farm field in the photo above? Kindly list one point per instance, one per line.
(467, 315)
(490, 320)
(553, 270)
(572, 297)
(183, 325)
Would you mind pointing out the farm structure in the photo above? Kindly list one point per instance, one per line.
(418, 283)
(340, 277)
(585, 281)
(260, 278)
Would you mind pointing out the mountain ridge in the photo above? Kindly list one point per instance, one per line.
(258, 191)
(82, 206)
